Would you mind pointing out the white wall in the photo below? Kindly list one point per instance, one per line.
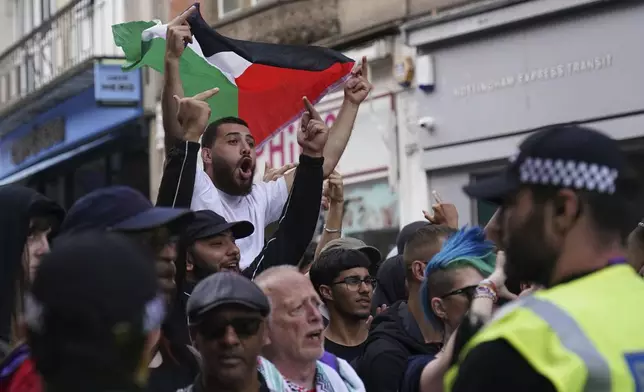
(6, 19)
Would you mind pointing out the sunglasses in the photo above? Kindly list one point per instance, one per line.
(468, 291)
(244, 327)
(353, 282)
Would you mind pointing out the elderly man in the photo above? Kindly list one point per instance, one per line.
(295, 333)
(227, 319)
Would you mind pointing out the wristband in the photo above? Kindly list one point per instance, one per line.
(485, 291)
(331, 231)
(490, 284)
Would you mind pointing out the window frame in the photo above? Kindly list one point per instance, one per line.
(220, 8)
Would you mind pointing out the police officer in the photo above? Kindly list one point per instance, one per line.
(568, 202)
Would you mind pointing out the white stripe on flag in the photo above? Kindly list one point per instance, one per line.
(229, 63)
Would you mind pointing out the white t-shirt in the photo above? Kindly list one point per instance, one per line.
(262, 206)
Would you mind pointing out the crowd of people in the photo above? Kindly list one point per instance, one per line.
(117, 294)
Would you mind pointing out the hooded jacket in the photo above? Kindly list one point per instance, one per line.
(394, 336)
(18, 205)
(392, 285)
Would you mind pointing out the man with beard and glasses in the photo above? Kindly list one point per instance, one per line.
(28, 220)
(228, 149)
(568, 202)
(342, 280)
(156, 229)
(227, 316)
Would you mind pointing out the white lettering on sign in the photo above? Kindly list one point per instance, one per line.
(539, 74)
(282, 148)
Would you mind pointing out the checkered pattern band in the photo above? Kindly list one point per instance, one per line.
(567, 173)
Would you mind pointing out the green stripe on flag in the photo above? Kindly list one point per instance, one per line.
(197, 74)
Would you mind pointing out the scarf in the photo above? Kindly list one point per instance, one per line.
(326, 379)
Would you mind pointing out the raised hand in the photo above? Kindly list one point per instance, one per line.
(444, 213)
(336, 188)
(357, 88)
(178, 34)
(313, 132)
(272, 174)
(193, 114)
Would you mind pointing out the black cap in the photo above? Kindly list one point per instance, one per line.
(90, 286)
(120, 208)
(208, 224)
(562, 156)
(225, 288)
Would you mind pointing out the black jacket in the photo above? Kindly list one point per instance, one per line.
(394, 336)
(299, 216)
(18, 205)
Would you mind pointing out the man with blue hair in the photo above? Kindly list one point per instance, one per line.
(453, 277)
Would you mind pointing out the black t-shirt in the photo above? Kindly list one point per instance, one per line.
(196, 387)
(177, 370)
(348, 353)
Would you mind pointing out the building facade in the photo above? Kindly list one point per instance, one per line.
(377, 180)
(72, 121)
(501, 69)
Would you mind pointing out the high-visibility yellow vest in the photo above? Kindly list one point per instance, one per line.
(585, 335)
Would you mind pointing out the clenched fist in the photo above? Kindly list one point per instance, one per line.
(313, 132)
(193, 114)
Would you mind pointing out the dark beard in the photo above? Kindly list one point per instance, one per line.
(223, 178)
(530, 258)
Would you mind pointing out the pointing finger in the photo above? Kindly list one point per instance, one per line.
(309, 107)
(365, 68)
(205, 95)
(185, 15)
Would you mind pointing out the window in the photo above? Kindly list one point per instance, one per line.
(483, 210)
(226, 7)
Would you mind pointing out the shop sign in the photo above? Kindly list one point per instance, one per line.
(41, 138)
(367, 150)
(370, 206)
(113, 86)
(557, 71)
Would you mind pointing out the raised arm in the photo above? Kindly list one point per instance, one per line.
(356, 90)
(178, 35)
(299, 218)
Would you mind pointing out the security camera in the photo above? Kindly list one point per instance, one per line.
(426, 123)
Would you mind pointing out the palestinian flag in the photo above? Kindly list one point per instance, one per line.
(261, 83)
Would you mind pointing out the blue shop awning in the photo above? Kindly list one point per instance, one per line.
(63, 156)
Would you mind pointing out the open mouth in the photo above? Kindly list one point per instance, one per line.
(315, 335)
(246, 168)
(230, 267)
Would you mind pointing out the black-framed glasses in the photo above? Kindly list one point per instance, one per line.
(244, 327)
(468, 291)
(354, 282)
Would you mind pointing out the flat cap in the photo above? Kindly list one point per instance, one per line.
(372, 253)
(225, 288)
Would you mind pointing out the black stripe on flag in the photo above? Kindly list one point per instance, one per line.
(309, 58)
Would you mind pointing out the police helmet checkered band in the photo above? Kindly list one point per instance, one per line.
(568, 173)
(34, 317)
(154, 314)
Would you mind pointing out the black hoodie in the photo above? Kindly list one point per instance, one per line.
(18, 205)
(394, 336)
